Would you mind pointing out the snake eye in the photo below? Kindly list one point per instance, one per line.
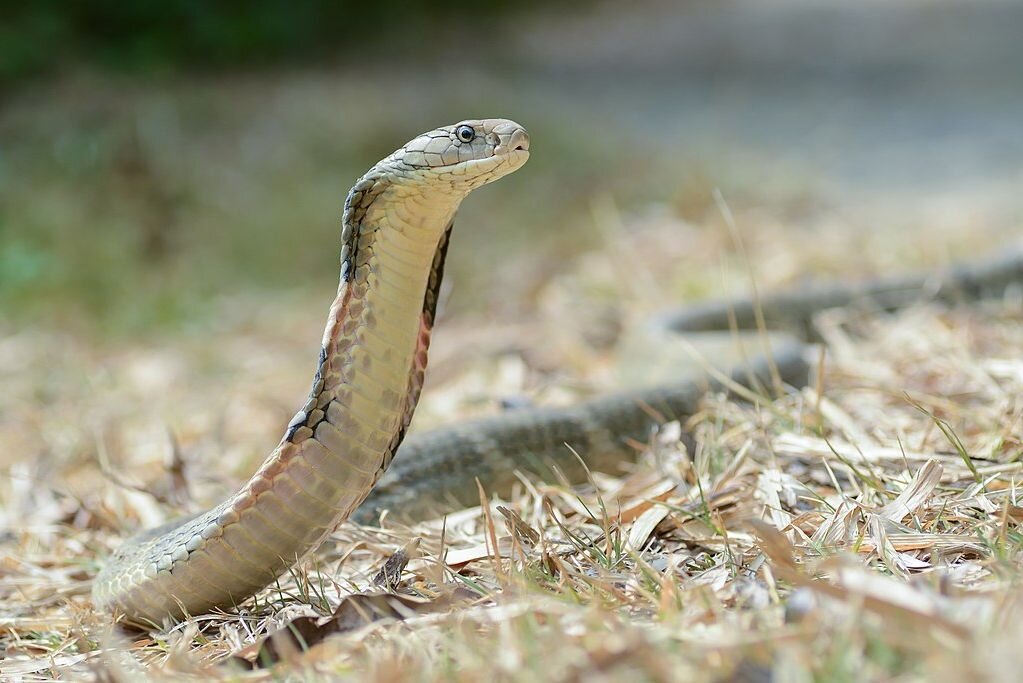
(465, 133)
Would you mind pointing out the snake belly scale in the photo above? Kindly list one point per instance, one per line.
(395, 229)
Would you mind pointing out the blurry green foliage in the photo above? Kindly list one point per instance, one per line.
(145, 35)
(128, 205)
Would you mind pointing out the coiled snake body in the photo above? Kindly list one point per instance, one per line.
(395, 229)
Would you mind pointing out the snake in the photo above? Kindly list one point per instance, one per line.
(344, 454)
(395, 230)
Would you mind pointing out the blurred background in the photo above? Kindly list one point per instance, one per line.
(156, 157)
(172, 171)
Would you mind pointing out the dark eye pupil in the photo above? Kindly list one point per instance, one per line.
(465, 133)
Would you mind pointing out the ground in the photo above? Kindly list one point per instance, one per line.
(866, 526)
(168, 250)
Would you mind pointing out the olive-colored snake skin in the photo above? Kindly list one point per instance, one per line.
(396, 224)
(436, 470)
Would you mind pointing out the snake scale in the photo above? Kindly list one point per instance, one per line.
(396, 225)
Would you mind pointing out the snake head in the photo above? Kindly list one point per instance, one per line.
(466, 154)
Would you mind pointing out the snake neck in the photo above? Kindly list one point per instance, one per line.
(373, 355)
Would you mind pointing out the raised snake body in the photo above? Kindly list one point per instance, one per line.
(395, 229)
(394, 236)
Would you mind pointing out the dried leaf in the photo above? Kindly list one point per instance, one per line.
(914, 495)
(389, 575)
(296, 637)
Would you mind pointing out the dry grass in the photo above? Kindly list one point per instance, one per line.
(864, 528)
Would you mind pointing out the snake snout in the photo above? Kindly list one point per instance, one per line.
(515, 141)
(519, 141)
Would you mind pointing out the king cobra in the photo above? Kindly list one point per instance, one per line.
(396, 226)
(395, 229)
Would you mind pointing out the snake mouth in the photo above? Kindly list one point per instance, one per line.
(513, 149)
(506, 160)
(514, 155)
